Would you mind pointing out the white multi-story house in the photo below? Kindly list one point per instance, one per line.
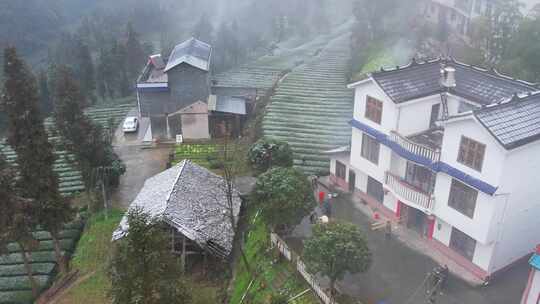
(456, 14)
(450, 151)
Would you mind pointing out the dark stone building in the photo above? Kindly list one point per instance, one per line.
(167, 87)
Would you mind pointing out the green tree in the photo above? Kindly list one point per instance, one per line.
(494, 32)
(522, 56)
(45, 100)
(285, 197)
(16, 220)
(80, 135)
(86, 71)
(35, 155)
(372, 14)
(335, 249)
(268, 152)
(135, 54)
(204, 30)
(143, 268)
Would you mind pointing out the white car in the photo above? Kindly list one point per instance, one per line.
(131, 124)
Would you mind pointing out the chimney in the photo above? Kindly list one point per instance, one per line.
(448, 77)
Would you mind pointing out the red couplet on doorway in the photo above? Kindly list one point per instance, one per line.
(398, 209)
(431, 226)
(321, 196)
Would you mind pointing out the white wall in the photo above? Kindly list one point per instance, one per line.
(480, 226)
(518, 224)
(482, 252)
(494, 155)
(342, 158)
(414, 116)
(376, 171)
(389, 114)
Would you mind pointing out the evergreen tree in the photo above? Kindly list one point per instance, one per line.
(35, 156)
(80, 135)
(85, 71)
(135, 54)
(16, 220)
(45, 101)
(204, 30)
(143, 269)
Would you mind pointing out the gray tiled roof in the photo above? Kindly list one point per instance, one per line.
(193, 52)
(514, 123)
(423, 79)
(192, 200)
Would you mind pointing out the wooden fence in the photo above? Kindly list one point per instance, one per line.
(301, 267)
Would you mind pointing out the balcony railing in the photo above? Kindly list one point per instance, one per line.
(418, 149)
(407, 192)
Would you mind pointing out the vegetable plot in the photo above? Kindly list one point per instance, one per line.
(14, 283)
(70, 178)
(312, 107)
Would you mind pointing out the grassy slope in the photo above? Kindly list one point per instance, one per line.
(280, 277)
(91, 259)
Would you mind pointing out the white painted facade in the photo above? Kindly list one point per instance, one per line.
(457, 14)
(504, 224)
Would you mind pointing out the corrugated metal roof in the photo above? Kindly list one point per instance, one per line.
(234, 105)
(514, 123)
(535, 261)
(423, 79)
(193, 52)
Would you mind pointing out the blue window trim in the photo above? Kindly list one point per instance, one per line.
(152, 90)
(438, 166)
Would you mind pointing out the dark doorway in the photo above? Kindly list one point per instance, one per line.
(435, 110)
(375, 189)
(352, 181)
(416, 220)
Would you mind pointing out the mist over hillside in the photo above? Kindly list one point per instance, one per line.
(33, 26)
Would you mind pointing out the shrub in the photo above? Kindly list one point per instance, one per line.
(268, 152)
(285, 196)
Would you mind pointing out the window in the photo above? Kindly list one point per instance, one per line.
(471, 153)
(375, 189)
(462, 198)
(341, 170)
(374, 109)
(435, 110)
(419, 177)
(462, 243)
(370, 148)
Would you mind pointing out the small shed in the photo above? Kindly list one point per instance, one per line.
(191, 121)
(192, 201)
(227, 115)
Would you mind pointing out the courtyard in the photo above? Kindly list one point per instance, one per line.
(398, 273)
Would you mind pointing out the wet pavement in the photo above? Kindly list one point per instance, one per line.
(398, 272)
(142, 161)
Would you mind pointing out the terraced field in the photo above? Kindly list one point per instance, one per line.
(14, 284)
(250, 76)
(311, 107)
(69, 176)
